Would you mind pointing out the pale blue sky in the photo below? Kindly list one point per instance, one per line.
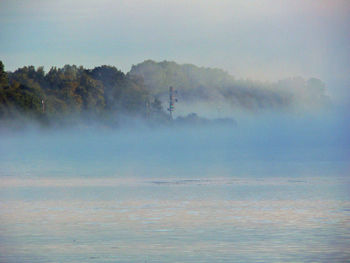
(259, 39)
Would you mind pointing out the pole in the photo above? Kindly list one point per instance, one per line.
(171, 102)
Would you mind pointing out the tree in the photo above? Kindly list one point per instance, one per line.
(102, 91)
(3, 76)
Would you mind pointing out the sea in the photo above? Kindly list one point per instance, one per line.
(176, 194)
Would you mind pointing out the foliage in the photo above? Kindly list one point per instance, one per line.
(215, 86)
(72, 91)
(106, 93)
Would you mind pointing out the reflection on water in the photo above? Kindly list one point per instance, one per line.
(190, 220)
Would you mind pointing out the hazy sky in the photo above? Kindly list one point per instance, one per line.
(260, 39)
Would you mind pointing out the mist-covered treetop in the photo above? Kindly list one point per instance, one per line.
(158, 75)
(200, 84)
(106, 93)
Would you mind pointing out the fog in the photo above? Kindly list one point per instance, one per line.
(260, 40)
(252, 165)
(257, 145)
(213, 89)
(270, 186)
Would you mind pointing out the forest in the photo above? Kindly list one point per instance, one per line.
(103, 93)
(106, 95)
(214, 86)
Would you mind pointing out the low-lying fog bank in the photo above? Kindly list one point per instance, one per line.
(272, 144)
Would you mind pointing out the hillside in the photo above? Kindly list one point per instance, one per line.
(210, 85)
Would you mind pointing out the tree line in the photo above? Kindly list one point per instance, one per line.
(213, 86)
(100, 93)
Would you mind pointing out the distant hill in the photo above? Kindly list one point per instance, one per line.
(158, 75)
(210, 85)
(105, 94)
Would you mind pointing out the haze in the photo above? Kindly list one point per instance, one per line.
(252, 166)
(266, 40)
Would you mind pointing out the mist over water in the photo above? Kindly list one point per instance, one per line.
(274, 187)
(254, 166)
(277, 144)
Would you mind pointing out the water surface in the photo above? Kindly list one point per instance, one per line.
(162, 196)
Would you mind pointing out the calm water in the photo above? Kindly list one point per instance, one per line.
(215, 195)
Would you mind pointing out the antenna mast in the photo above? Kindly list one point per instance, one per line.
(172, 100)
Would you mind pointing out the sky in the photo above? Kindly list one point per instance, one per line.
(257, 39)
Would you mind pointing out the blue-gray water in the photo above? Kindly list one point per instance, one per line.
(219, 194)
